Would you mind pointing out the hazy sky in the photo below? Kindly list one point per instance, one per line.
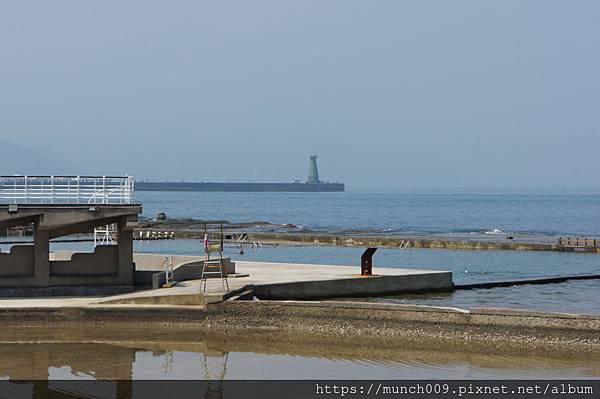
(390, 94)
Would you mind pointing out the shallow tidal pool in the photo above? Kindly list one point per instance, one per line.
(201, 360)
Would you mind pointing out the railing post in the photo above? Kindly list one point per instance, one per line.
(104, 189)
(130, 189)
(52, 189)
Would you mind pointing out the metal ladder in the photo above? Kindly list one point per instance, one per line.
(168, 266)
(214, 267)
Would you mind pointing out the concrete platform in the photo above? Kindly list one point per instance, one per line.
(295, 281)
(268, 281)
(305, 281)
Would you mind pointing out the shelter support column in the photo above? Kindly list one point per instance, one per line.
(41, 256)
(125, 252)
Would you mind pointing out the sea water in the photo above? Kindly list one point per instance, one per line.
(547, 212)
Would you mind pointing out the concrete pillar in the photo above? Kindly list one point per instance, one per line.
(125, 251)
(41, 256)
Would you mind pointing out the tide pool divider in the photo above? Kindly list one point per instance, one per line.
(526, 281)
(413, 242)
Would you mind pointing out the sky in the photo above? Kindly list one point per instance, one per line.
(389, 94)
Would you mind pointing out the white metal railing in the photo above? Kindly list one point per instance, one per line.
(66, 189)
(168, 265)
(105, 235)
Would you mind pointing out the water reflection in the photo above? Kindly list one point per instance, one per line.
(95, 364)
(220, 358)
(282, 360)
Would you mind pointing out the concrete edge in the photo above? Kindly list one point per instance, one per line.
(357, 268)
(311, 320)
(174, 299)
(234, 294)
(235, 297)
(399, 307)
(502, 312)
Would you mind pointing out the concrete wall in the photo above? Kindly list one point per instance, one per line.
(357, 287)
(150, 269)
(103, 261)
(18, 262)
(154, 262)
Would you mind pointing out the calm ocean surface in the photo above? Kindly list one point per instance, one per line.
(517, 211)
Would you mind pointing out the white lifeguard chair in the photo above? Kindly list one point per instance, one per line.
(214, 267)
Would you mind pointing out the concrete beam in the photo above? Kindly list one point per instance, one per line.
(68, 219)
(8, 220)
(81, 227)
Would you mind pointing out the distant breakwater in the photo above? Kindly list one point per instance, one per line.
(403, 242)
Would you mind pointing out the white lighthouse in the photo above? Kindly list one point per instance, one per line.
(313, 171)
